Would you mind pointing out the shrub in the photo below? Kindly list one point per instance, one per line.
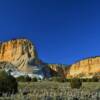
(57, 79)
(24, 79)
(95, 79)
(60, 79)
(8, 84)
(68, 80)
(34, 79)
(76, 83)
(21, 78)
(27, 78)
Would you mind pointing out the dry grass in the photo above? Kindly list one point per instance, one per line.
(47, 90)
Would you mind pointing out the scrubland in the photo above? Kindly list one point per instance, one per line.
(50, 90)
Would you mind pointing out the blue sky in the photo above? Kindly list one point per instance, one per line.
(63, 31)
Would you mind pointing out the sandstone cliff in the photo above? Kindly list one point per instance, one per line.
(85, 68)
(19, 52)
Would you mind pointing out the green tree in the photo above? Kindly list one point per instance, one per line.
(8, 83)
(76, 83)
(34, 79)
(23, 78)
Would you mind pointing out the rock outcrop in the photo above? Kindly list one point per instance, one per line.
(85, 68)
(19, 52)
(22, 55)
(57, 69)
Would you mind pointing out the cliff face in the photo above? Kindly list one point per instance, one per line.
(85, 68)
(18, 52)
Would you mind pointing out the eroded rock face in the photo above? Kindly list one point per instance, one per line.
(18, 52)
(57, 69)
(87, 67)
(6, 65)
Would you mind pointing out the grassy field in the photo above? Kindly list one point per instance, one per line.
(46, 90)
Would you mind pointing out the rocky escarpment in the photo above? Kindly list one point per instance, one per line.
(18, 52)
(58, 69)
(85, 68)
